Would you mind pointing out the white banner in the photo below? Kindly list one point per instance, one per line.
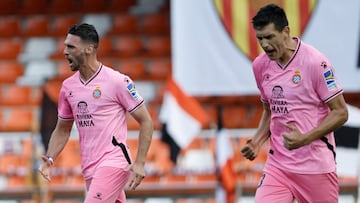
(206, 61)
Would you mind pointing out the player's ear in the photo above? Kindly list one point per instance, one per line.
(89, 49)
(286, 30)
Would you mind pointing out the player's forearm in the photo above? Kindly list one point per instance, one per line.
(57, 143)
(145, 136)
(263, 130)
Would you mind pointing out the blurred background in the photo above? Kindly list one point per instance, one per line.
(196, 53)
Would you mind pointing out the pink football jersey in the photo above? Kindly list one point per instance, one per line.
(98, 107)
(297, 94)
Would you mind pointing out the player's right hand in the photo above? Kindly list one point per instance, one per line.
(250, 150)
(45, 168)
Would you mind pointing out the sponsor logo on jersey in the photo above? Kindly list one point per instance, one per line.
(330, 79)
(132, 91)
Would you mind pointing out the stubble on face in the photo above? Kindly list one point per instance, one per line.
(74, 51)
(271, 41)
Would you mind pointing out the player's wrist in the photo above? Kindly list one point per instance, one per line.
(50, 159)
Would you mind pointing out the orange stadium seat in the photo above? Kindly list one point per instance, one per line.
(234, 116)
(116, 6)
(133, 68)
(18, 119)
(10, 49)
(124, 24)
(9, 26)
(1, 119)
(128, 46)
(105, 47)
(32, 7)
(59, 53)
(158, 46)
(15, 95)
(109, 62)
(16, 169)
(152, 178)
(27, 147)
(255, 116)
(212, 114)
(10, 71)
(159, 69)
(175, 178)
(35, 26)
(62, 7)
(91, 6)
(155, 24)
(76, 180)
(61, 25)
(8, 7)
(36, 96)
(205, 177)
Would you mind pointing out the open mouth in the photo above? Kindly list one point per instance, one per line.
(70, 61)
(270, 52)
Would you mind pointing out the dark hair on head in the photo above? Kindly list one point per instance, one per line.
(86, 32)
(270, 13)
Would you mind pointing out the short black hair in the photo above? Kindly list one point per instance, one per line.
(270, 13)
(86, 32)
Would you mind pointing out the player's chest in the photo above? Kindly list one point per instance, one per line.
(290, 83)
(91, 95)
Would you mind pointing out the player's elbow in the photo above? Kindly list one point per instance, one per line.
(343, 115)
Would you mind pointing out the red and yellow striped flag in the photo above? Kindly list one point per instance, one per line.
(236, 17)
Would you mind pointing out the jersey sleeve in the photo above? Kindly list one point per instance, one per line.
(326, 83)
(64, 108)
(128, 95)
(257, 70)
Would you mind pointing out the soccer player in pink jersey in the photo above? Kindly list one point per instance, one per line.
(97, 99)
(303, 105)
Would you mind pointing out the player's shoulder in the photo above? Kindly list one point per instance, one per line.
(71, 79)
(111, 73)
(311, 51)
(116, 76)
(314, 57)
(260, 61)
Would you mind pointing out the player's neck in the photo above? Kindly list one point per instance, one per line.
(88, 70)
(289, 50)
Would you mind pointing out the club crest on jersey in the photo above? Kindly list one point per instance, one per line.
(97, 92)
(330, 79)
(296, 77)
(131, 88)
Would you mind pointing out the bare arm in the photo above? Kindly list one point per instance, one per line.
(337, 117)
(251, 149)
(142, 116)
(59, 137)
(58, 140)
